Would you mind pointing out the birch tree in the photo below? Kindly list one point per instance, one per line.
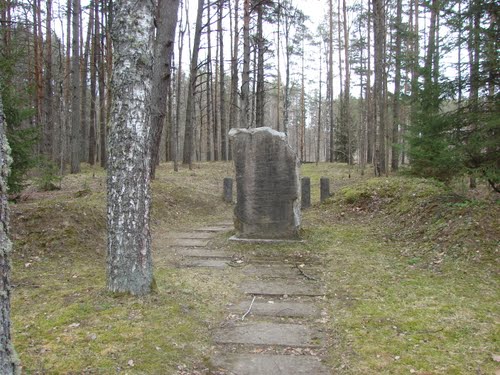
(9, 363)
(129, 262)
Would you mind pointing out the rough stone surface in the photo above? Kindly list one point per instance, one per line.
(266, 333)
(280, 288)
(278, 271)
(305, 192)
(277, 309)
(215, 228)
(324, 183)
(269, 364)
(209, 263)
(203, 253)
(268, 186)
(228, 190)
(190, 242)
(193, 235)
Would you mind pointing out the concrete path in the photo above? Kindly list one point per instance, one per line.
(278, 327)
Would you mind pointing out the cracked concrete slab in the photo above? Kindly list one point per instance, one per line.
(279, 271)
(266, 333)
(189, 242)
(203, 253)
(271, 364)
(209, 263)
(282, 287)
(278, 309)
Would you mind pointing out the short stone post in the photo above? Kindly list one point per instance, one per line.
(305, 192)
(228, 190)
(324, 188)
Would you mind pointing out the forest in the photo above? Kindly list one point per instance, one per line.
(373, 85)
(114, 142)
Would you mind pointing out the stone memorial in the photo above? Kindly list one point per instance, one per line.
(267, 184)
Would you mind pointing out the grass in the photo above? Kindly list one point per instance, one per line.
(411, 270)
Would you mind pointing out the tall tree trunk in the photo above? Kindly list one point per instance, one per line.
(180, 43)
(347, 86)
(222, 88)
(9, 362)
(102, 93)
(371, 128)
(396, 119)
(129, 261)
(94, 13)
(190, 105)
(318, 140)
(245, 77)
(259, 100)
(380, 106)
(330, 81)
(75, 88)
(234, 105)
(84, 136)
(166, 22)
(48, 130)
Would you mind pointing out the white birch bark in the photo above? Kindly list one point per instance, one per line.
(129, 263)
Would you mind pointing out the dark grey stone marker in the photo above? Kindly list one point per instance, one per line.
(271, 364)
(267, 184)
(306, 192)
(264, 333)
(228, 190)
(324, 188)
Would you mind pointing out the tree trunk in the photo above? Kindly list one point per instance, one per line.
(129, 261)
(379, 31)
(245, 77)
(84, 131)
(259, 104)
(93, 84)
(330, 81)
(75, 88)
(48, 130)
(190, 105)
(9, 362)
(234, 105)
(222, 88)
(166, 22)
(397, 89)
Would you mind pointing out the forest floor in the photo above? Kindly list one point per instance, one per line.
(410, 269)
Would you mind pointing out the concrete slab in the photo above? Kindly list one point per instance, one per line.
(190, 242)
(203, 253)
(191, 235)
(218, 228)
(270, 364)
(209, 263)
(278, 309)
(282, 287)
(263, 240)
(279, 271)
(265, 333)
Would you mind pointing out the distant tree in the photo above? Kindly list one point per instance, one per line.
(9, 363)
(75, 89)
(129, 261)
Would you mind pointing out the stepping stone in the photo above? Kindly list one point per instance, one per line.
(190, 242)
(204, 253)
(209, 263)
(277, 309)
(264, 333)
(270, 364)
(191, 235)
(280, 288)
(214, 229)
(278, 271)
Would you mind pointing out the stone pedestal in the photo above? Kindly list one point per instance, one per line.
(267, 184)
(306, 192)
